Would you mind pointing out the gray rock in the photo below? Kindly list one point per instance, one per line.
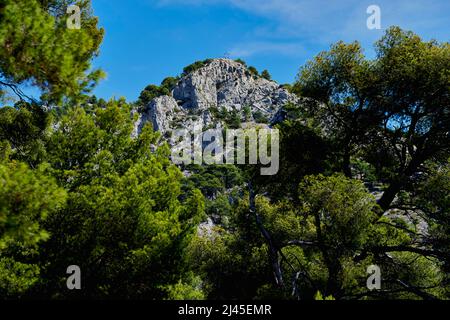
(159, 112)
(222, 83)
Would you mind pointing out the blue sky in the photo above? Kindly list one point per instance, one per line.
(148, 40)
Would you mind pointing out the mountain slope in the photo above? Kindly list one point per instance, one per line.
(221, 91)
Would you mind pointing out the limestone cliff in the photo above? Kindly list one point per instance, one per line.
(207, 96)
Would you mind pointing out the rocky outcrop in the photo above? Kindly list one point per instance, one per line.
(220, 85)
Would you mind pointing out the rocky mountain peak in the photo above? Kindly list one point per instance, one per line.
(218, 92)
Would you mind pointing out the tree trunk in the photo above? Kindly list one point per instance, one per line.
(273, 250)
(398, 183)
(346, 163)
(388, 196)
(333, 286)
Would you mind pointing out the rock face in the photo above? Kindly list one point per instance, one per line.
(221, 86)
(159, 112)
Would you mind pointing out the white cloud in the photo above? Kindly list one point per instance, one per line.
(326, 21)
(253, 48)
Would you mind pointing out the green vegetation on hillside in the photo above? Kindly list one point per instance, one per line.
(364, 179)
